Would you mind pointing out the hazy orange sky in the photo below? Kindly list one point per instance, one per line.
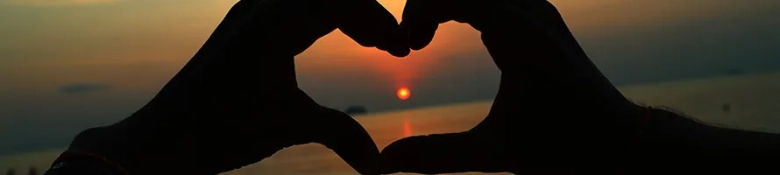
(79, 63)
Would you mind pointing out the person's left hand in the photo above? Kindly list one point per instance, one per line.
(237, 102)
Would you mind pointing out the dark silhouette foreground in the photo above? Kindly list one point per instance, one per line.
(555, 113)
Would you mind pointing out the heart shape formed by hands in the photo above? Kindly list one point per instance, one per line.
(554, 111)
(241, 89)
(544, 73)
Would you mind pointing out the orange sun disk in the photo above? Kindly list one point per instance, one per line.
(403, 93)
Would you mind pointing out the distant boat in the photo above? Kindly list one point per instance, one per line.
(354, 110)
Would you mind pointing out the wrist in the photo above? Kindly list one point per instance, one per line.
(96, 143)
(670, 137)
(76, 162)
(135, 151)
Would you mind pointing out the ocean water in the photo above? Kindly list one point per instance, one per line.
(754, 101)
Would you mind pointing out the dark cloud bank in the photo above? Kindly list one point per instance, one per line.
(82, 88)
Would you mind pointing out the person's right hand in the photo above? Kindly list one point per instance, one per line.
(554, 111)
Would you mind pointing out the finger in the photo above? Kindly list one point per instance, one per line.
(526, 35)
(347, 138)
(421, 18)
(371, 25)
(283, 27)
(419, 35)
(236, 17)
(444, 153)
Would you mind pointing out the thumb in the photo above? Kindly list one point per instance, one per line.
(345, 136)
(445, 153)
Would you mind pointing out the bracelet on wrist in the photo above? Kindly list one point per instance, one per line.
(76, 162)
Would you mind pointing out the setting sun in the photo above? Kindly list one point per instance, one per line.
(403, 93)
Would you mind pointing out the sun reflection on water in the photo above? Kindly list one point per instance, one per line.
(407, 128)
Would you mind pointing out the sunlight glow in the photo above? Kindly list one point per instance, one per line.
(407, 128)
(403, 93)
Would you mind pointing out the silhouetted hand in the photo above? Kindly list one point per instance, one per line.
(237, 101)
(554, 111)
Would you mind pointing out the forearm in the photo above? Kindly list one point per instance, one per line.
(684, 137)
(683, 144)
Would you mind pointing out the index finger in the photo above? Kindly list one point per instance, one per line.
(422, 17)
(235, 18)
(370, 24)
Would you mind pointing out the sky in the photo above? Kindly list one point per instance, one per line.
(66, 65)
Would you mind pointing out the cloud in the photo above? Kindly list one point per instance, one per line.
(81, 88)
(55, 2)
